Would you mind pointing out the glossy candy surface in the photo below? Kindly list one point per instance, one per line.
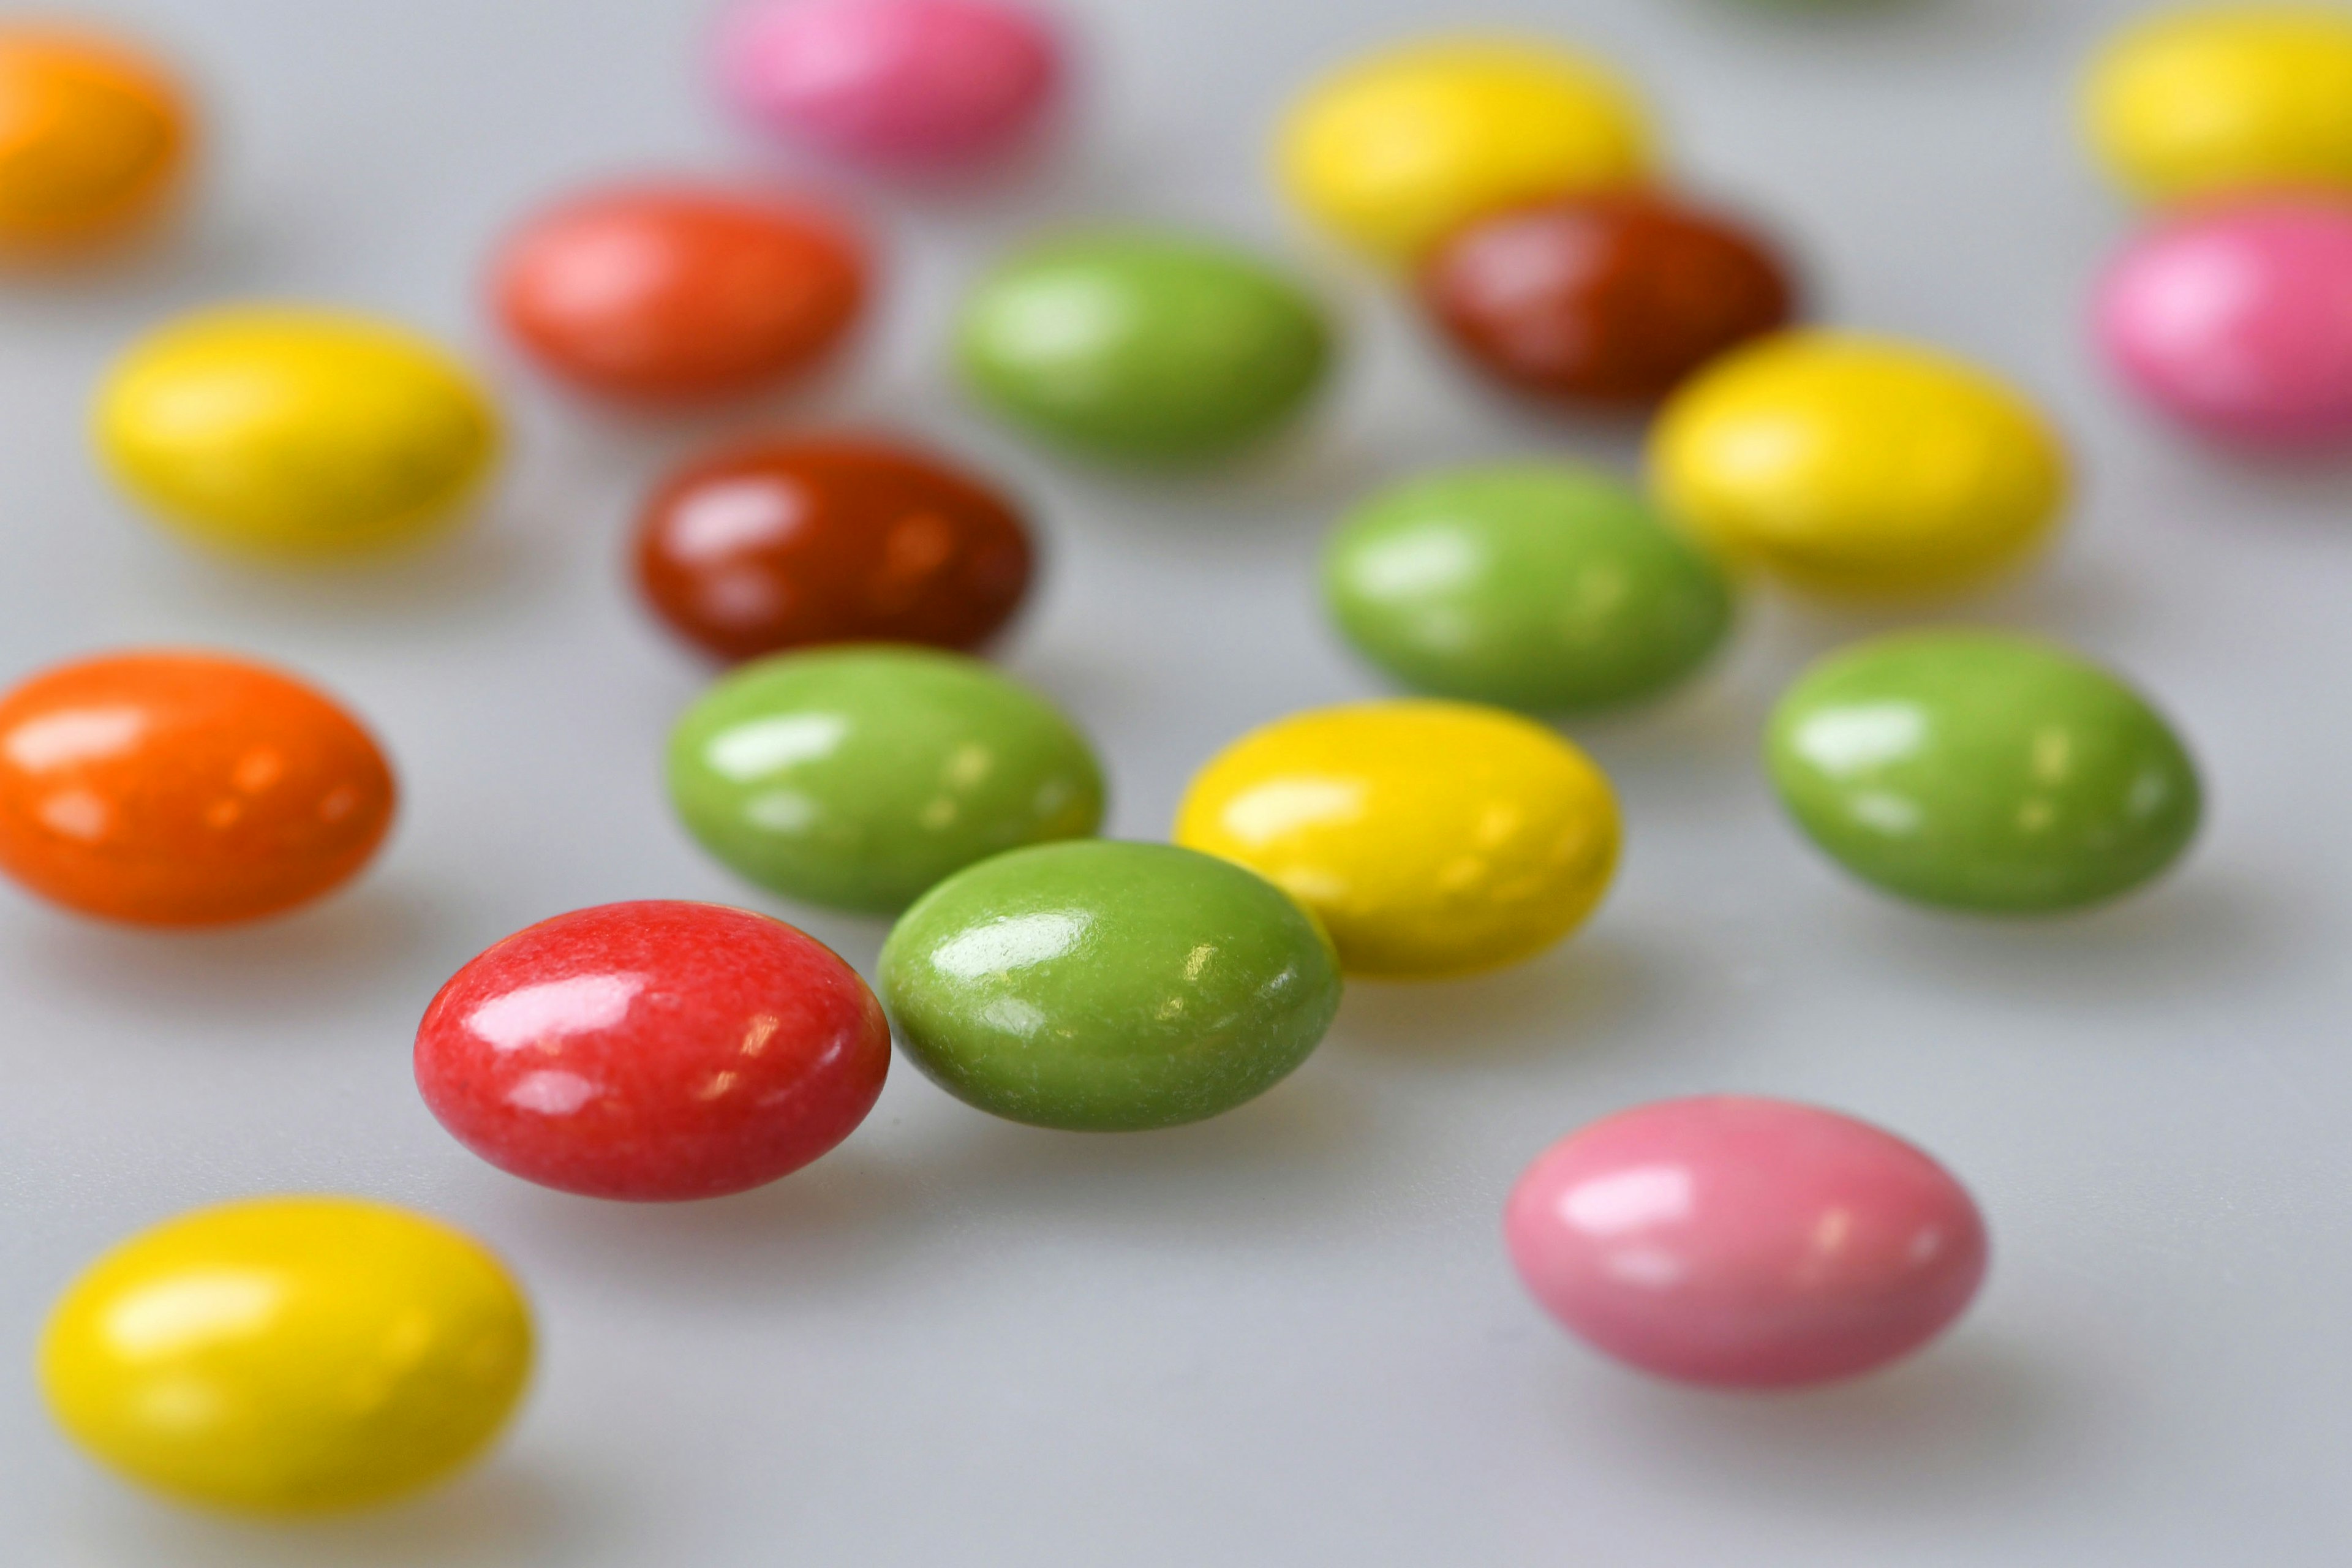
(1982, 770)
(1104, 986)
(857, 777)
(1609, 298)
(1854, 465)
(783, 543)
(653, 1051)
(896, 85)
(1539, 586)
(1431, 838)
(174, 788)
(666, 293)
(1399, 149)
(2193, 103)
(293, 432)
(1144, 348)
(1746, 1243)
(289, 1355)
(94, 141)
(2237, 321)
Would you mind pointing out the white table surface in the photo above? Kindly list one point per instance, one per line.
(1289, 1336)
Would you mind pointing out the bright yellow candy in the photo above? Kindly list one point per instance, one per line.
(93, 138)
(1396, 150)
(288, 1354)
(295, 431)
(2195, 102)
(1860, 466)
(1430, 838)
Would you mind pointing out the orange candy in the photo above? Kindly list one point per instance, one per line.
(184, 789)
(93, 140)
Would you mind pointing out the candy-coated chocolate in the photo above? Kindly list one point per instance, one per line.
(288, 1354)
(2193, 104)
(1107, 987)
(172, 788)
(1431, 839)
(897, 86)
(1746, 1243)
(679, 293)
(1393, 152)
(1612, 298)
(653, 1051)
(1854, 465)
(857, 777)
(286, 431)
(1540, 586)
(783, 543)
(94, 141)
(2237, 321)
(1146, 348)
(1982, 770)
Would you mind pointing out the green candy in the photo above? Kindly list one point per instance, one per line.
(1107, 986)
(857, 777)
(1982, 770)
(1538, 586)
(1143, 348)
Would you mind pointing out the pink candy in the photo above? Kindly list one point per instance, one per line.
(901, 86)
(2237, 321)
(1746, 1243)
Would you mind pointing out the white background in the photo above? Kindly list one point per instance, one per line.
(1289, 1336)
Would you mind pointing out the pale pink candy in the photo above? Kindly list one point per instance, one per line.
(2237, 321)
(907, 86)
(1745, 1243)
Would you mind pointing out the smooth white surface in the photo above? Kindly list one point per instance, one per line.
(1290, 1336)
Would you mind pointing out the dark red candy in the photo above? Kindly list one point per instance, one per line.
(786, 544)
(1610, 299)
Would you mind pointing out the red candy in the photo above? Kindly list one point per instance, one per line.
(676, 294)
(1610, 299)
(653, 1051)
(784, 544)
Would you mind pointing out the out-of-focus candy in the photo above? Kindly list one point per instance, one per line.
(94, 140)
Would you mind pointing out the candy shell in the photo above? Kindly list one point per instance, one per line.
(95, 138)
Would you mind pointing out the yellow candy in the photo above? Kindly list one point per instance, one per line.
(295, 431)
(1854, 465)
(2196, 102)
(93, 138)
(1430, 838)
(1396, 150)
(288, 1354)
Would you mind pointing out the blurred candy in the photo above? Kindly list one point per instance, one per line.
(784, 543)
(289, 1355)
(678, 294)
(293, 432)
(184, 789)
(2237, 321)
(94, 140)
(897, 86)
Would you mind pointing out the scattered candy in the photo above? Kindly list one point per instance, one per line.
(1144, 348)
(184, 789)
(1608, 299)
(1431, 839)
(1746, 1243)
(666, 293)
(1103, 986)
(289, 1355)
(94, 141)
(297, 432)
(2237, 321)
(1540, 586)
(856, 778)
(898, 86)
(1400, 149)
(653, 1051)
(2190, 104)
(1854, 465)
(785, 543)
(1982, 770)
